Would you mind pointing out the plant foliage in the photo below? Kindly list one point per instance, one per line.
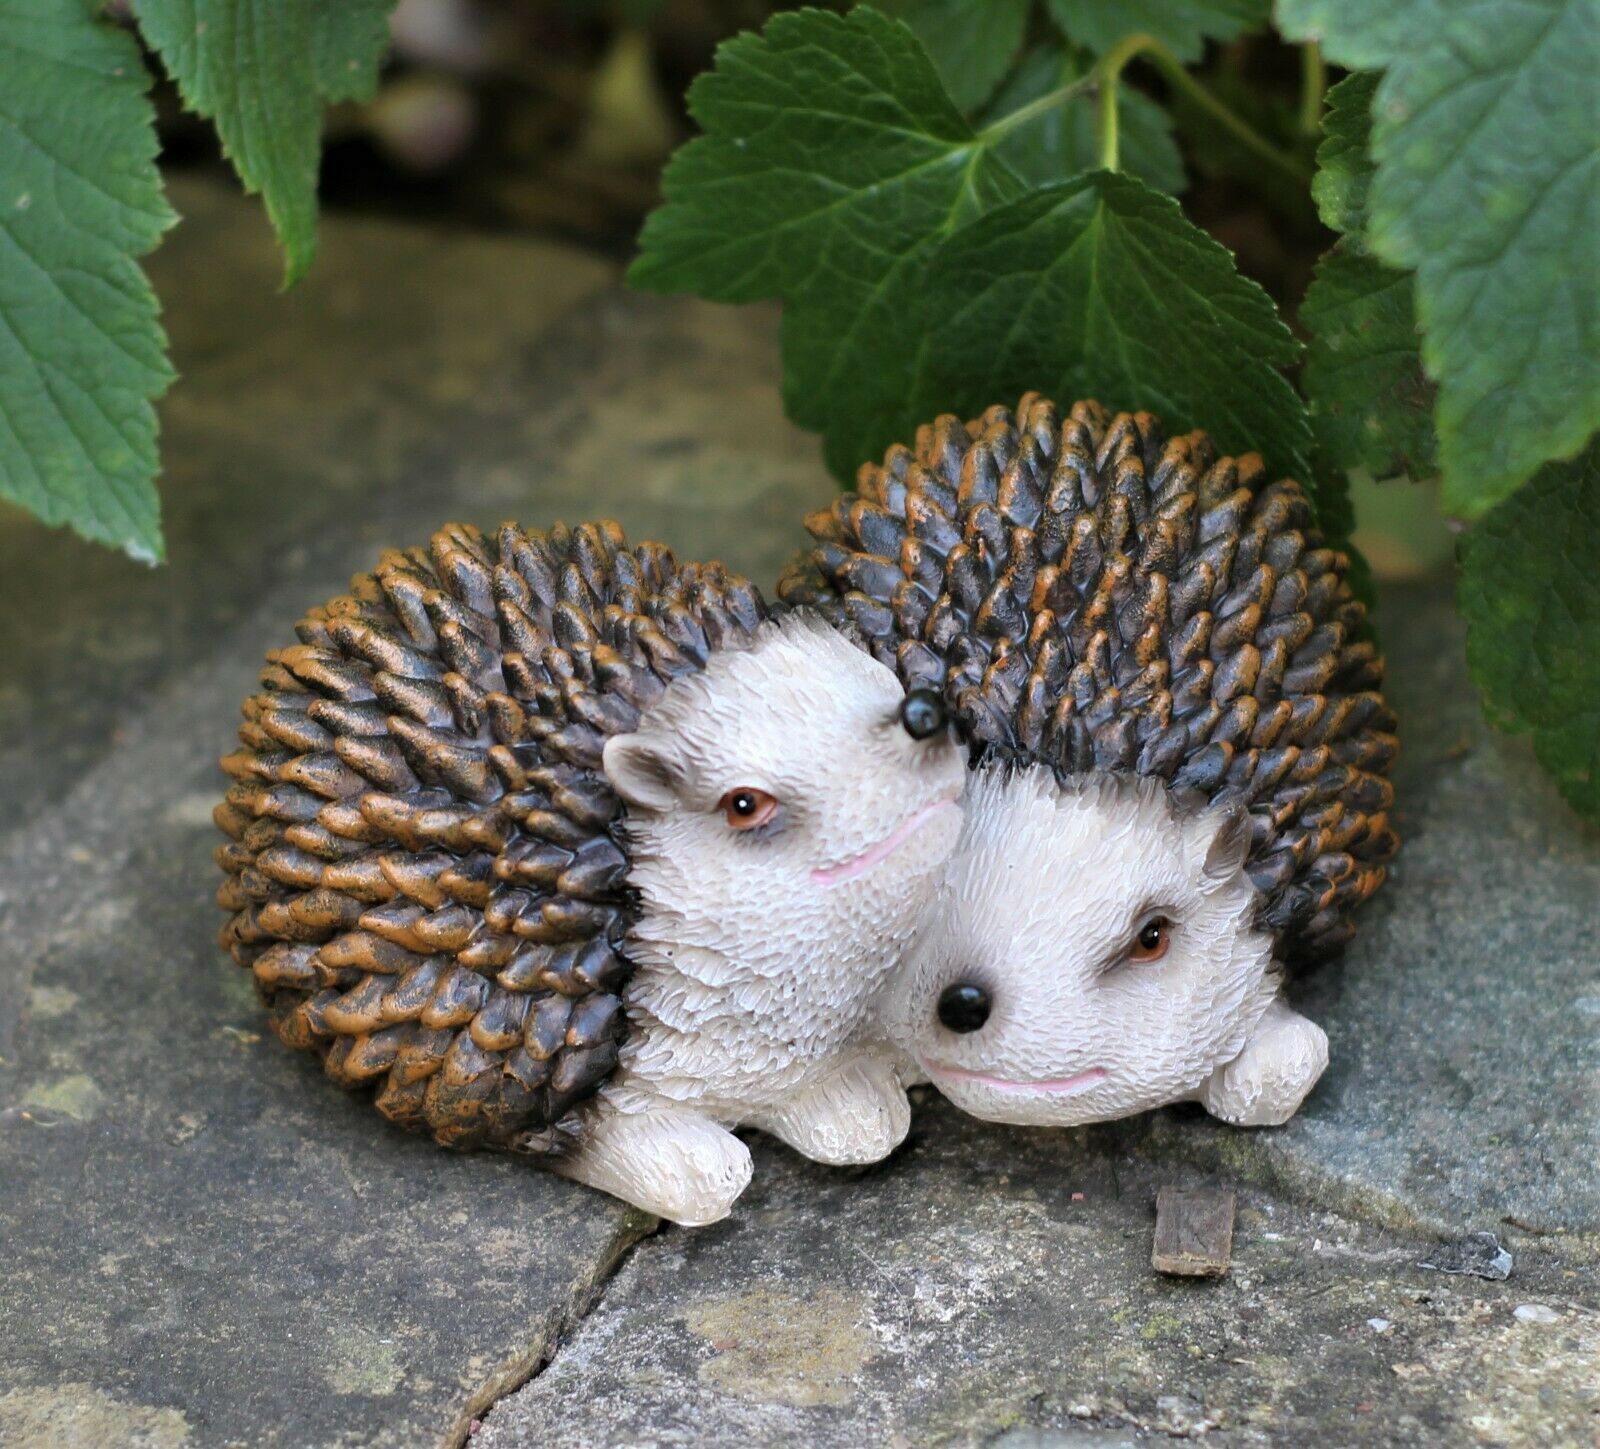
(262, 71)
(1531, 596)
(1371, 402)
(970, 42)
(1060, 142)
(921, 272)
(1096, 287)
(82, 355)
(1486, 182)
(1183, 26)
(1344, 165)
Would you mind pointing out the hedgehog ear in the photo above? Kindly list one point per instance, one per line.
(1230, 843)
(645, 772)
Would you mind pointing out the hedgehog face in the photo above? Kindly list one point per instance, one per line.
(1091, 953)
(788, 801)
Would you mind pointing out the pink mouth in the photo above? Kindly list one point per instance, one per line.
(830, 875)
(1055, 1087)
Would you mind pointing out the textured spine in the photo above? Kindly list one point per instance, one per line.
(1089, 593)
(425, 869)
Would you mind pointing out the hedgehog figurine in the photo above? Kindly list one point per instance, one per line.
(568, 849)
(1180, 751)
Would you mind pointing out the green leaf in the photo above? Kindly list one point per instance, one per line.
(831, 153)
(1183, 26)
(263, 70)
(916, 278)
(1488, 185)
(82, 355)
(1095, 288)
(1103, 288)
(971, 42)
(1371, 404)
(1060, 144)
(349, 40)
(1344, 165)
(1531, 596)
(1363, 34)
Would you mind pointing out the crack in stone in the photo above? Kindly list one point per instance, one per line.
(559, 1325)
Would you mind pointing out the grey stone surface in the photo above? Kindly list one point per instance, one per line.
(993, 1285)
(203, 1239)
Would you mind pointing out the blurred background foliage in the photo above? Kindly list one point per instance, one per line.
(557, 116)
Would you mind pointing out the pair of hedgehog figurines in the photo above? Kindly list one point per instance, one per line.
(1064, 743)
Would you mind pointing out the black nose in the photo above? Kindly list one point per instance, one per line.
(923, 714)
(963, 1007)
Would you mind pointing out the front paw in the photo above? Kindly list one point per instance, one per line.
(1266, 1083)
(856, 1116)
(672, 1163)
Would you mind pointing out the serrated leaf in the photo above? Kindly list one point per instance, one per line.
(836, 174)
(1344, 164)
(1183, 26)
(831, 153)
(1531, 596)
(971, 42)
(1094, 288)
(263, 71)
(82, 355)
(1061, 143)
(349, 41)
(1488, 185)
(1103, 288)
(1371, 404)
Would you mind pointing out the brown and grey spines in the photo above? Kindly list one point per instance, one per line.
(425, 871)
(1088, 592)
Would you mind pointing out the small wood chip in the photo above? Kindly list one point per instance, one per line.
(1194, 1232)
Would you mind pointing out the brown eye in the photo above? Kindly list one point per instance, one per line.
(1151, 940)
(745, 809)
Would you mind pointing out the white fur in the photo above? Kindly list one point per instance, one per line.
(751, 999)
(1045, 892)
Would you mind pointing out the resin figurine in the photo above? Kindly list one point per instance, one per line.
(567, 849)
(1181, 748)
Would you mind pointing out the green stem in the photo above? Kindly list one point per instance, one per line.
(1313, 87)
(1110, 70)
(1023, 114)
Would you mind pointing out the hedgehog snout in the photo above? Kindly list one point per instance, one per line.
(963, 1007)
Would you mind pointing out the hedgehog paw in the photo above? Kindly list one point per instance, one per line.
(856, 1114)
(675, 1164)
(1266, 1083)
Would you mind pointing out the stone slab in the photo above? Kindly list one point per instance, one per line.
(197, 1223)
(203, 1240)
(991, 1285)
